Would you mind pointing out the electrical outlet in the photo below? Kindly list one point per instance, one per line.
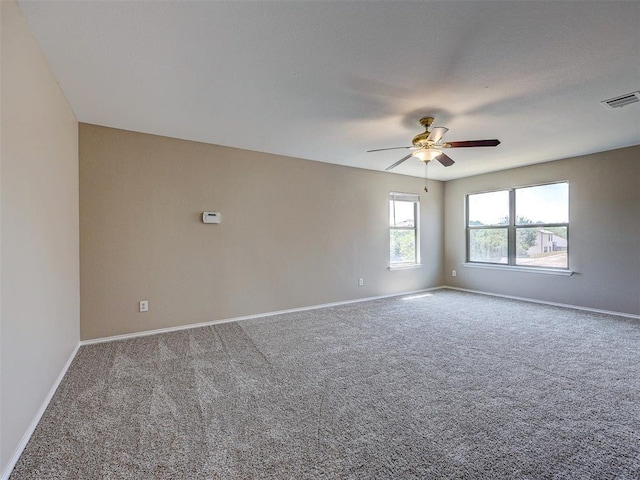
(361, 282)
(453, 273)
(144, 305)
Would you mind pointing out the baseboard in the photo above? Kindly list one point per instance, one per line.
(555, 304)
(36, 419)
(249, 317)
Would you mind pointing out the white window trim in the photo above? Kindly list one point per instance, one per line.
(407, 197)
(519, 268)
(404, 266)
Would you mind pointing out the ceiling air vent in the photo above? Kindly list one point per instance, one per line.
(622, 100)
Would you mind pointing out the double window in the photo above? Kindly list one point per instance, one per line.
(404, 222)
(526, 226)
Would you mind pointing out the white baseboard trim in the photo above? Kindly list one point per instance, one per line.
(36, 419)
(248, 317)
(555, 304)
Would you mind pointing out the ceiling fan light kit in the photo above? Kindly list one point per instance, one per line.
(429, 145)
(427, 154)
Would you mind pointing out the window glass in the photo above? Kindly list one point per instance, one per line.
(401, 214)
(402, 246)
(542, 204)
(488, 245)
(489, 208)
(542, 246)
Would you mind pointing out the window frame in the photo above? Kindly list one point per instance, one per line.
(415, 199)
(512, 230)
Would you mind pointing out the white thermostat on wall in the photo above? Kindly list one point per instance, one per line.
(211, 217)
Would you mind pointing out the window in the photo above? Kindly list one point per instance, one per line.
(404, 242)
(527, 226)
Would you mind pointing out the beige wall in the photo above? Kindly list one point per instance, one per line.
(39, 231)
(604, 232)
(294, 233)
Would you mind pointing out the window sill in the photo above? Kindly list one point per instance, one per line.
(516, 268)
(405, 267)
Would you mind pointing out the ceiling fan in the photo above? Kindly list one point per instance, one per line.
(428, 145)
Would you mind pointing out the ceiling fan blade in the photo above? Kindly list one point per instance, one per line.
(398, 162)
(436, 134)
(474, 143)
(392, 148)
(445, 160)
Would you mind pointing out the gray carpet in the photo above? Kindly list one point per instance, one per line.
(450, 385)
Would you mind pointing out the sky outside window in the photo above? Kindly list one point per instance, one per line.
(544, 203)
(401, 214)
(489, 208)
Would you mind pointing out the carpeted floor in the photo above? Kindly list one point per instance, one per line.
(447, 385)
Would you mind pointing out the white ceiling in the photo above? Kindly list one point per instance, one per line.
(329, 80)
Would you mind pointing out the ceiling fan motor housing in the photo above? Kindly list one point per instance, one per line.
(420, 140)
